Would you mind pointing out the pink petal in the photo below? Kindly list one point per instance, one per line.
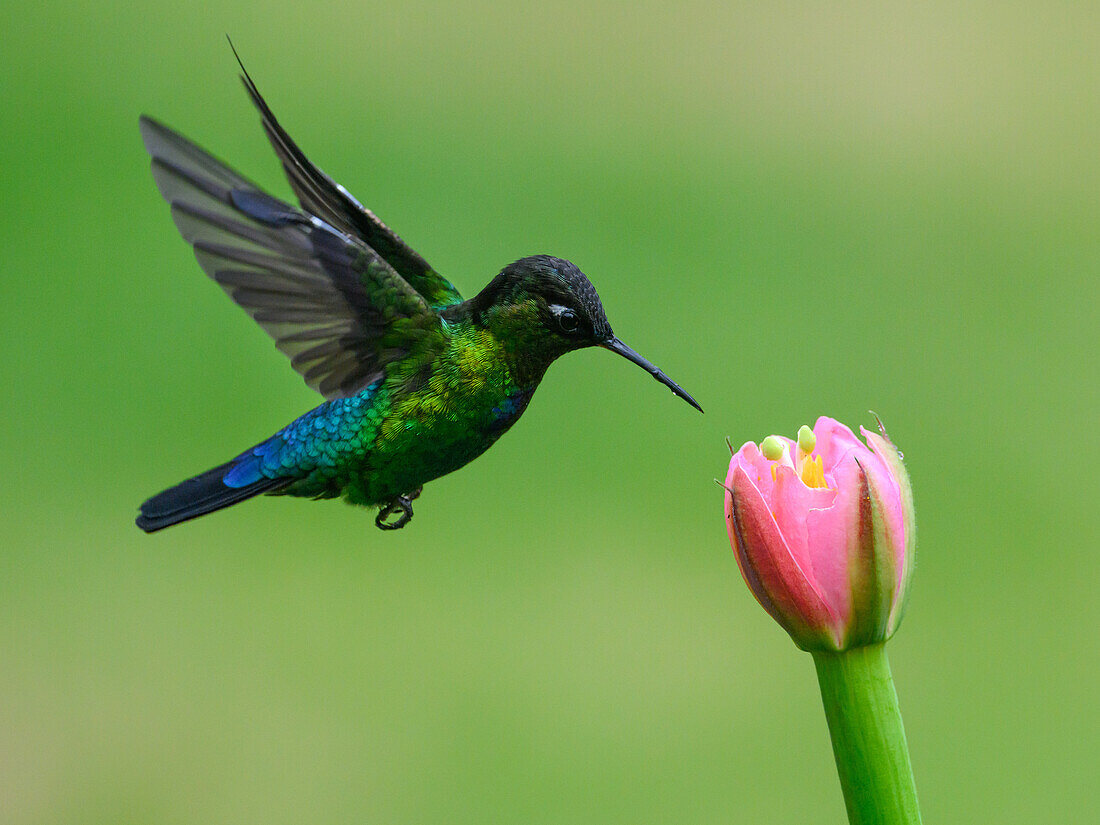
(773, 574)
(749, 457)
(895, 497)
(883, 477)
(871, 563)
(759, 468)
(806, 517)
(831, 532)
(834, 441)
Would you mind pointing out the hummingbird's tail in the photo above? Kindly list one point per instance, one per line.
(200, 495)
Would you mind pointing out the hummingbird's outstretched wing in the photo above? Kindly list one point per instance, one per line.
(331, 303)
(320, 195)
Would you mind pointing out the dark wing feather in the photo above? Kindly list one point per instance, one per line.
(320, 195)
(329, 301)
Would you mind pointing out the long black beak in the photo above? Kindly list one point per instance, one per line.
(615, 345)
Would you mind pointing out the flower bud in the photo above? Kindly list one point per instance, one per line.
(824, 537)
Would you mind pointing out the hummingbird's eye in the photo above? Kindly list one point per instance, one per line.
(567, 319)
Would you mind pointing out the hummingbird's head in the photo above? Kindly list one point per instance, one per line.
(559, 309)
(566, 303)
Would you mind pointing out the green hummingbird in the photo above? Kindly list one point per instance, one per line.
(418, 381)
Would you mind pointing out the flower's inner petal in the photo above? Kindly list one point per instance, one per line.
(750, 460)
(834, 441)
(833, 532)
(819, 552)
(758, 468)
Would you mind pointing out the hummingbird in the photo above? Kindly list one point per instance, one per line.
(418, 382)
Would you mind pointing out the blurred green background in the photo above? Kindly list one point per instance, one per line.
(793, 211)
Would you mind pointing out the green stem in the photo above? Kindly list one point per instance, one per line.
(872, 758)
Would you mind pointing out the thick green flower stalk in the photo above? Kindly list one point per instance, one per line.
(822, 528)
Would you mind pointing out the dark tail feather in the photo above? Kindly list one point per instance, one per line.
(198, 496)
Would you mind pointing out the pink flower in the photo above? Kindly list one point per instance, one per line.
(823, 532)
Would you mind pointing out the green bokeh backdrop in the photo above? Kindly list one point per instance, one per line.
(792, 211)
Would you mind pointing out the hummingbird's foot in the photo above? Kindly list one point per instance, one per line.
(401, 507)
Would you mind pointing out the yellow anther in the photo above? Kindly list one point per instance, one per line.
(813, 472)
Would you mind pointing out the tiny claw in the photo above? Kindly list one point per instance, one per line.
(402, 504)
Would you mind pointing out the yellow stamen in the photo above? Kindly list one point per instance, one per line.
(813, 472)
